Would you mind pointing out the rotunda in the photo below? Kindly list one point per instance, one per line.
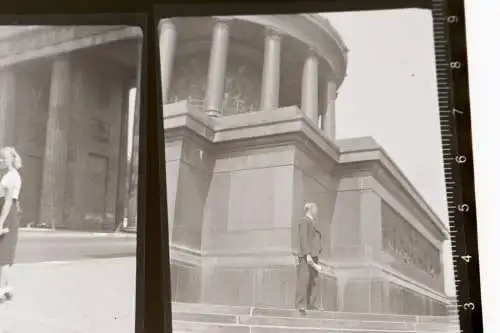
(231, 65)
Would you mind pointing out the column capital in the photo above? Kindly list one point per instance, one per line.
(272, 32)
(61, 57)
(166, 24)
(223, 20)
(312, 52)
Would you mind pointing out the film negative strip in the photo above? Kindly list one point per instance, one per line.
(278, 64)
(454, 106)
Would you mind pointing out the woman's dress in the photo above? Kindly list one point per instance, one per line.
(8, 241)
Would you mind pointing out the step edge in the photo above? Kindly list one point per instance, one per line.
(237, 316)
(296, 327)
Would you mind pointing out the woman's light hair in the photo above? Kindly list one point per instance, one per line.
(15, 159)
(310, 206)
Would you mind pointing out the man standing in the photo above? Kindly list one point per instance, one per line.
(307, 288)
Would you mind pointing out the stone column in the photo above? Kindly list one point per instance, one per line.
(7, 107)
(310, 87)
(133, 182)
(217, 68)
(271, 71)
(167, 33)
(329, 115)
(56, 144)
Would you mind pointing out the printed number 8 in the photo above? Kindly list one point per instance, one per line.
(456, 64)
(469, 306)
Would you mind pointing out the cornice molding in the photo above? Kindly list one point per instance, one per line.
(51, 41)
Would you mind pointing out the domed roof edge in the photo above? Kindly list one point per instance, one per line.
(328, 28)
(325, 23)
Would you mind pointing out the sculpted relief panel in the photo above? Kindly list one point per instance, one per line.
(404, 242)
(242, 85)
(242, 93)
(189, 79)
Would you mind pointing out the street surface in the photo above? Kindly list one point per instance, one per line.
(68, 282)
(41, 246)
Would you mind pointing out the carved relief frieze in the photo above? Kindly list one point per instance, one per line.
(190, 78)
(403, 241)
(242, 93)
(242, 84)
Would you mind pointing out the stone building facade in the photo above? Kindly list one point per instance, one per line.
(249, 118)
(63, 105)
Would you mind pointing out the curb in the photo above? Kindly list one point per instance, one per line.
(76, 262)
(73, 234)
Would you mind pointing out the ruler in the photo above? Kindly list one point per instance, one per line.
(453, 92)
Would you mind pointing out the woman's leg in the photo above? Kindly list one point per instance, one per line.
(5, 287)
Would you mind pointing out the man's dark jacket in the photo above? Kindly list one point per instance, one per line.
(309, 238)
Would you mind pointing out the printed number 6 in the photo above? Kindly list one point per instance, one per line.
(461, 159)
(469, 306)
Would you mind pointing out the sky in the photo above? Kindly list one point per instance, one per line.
(390, 93)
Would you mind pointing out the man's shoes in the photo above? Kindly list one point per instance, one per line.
(316, 308)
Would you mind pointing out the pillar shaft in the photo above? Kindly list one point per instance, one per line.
(271, 72)
(217, 68)
(7, 107)
(329, 116)
(168, 35)
(310, 87)
(56, 144)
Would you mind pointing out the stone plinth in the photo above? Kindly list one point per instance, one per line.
(236, 189)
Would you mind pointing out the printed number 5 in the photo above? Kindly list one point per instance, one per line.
(469, 306)
(463, 208)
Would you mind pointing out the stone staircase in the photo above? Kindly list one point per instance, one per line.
(204, 318)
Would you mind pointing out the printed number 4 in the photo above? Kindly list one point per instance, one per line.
(466, 258)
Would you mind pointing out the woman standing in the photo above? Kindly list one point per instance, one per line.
(10, 187)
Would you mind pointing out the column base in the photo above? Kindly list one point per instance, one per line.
(214, 113)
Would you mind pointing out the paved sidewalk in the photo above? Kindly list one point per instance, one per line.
(91, 296)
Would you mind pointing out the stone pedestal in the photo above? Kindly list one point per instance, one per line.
(236, 193)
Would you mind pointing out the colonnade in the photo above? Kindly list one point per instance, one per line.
(270, 86)
(57, 131)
